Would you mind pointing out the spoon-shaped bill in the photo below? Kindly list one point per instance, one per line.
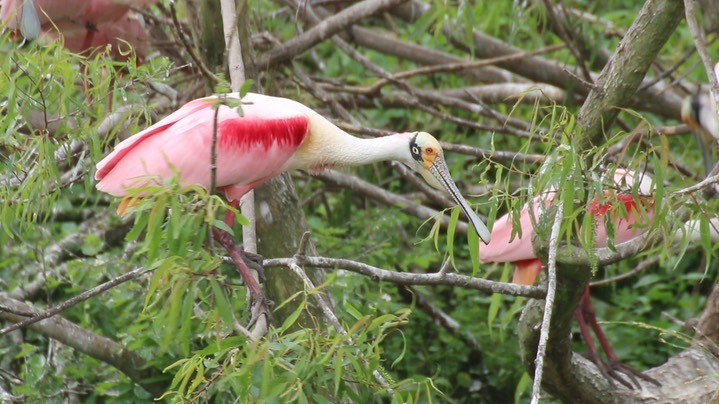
(441, 173)
(29, 22)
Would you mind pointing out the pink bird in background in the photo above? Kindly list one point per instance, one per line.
(271, 135)
(124, 36)
(518, 249)
(626, 221)
(83, 25)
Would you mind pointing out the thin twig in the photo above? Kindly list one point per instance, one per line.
(568, 39)
(698, 186)
(700, 44)
(639, 268)
(334, 321)
(190, 50)
(213, 150)
(75, 300)
(548, 303)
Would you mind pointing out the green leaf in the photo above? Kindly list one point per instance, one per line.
(338, 369)
(220, 224)
(292, 318)
(91, 245)
(451, 229)
(221, 303)
(473, 245)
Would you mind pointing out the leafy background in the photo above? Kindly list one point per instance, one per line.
(60, 237)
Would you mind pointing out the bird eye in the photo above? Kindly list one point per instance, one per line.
(429, 150)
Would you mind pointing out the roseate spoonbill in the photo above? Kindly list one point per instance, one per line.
(519, 250)
(125, 36)
(271, 135)
(82, 24)
(43, 13)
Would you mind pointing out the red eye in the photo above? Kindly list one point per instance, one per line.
(429, 150)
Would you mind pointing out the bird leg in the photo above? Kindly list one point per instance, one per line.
(253, 261)
(259, 305)
(90, 30)
(229, 214)
(614, 369)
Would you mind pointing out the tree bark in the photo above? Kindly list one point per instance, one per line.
(569, 376)
(281, 225)
(96, 346)
(622, 76)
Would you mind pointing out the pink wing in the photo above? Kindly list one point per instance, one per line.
(121, 34)
(102, 11)
(48, 11)
(504, 248)
(625, 225)
(250, 149)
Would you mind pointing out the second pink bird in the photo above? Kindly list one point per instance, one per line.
(81, 24)
(519, 250)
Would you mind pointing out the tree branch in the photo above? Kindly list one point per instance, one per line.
(406, 278)
(325, 29)
(622, 76)
(98, 347)
(548, 303)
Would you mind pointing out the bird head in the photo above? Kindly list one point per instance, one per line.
(699, 113)
(690, 112)
(427, 158)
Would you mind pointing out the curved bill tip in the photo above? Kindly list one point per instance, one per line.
(29, 22)
(440, 171)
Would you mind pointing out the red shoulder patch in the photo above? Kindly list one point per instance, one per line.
(252, 131)
(597, 208)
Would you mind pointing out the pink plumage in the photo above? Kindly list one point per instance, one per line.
(102, 11)
(125, 36)
(83, 24)
(250, 148)
(270, 135)
(504, 248)
(60, 13)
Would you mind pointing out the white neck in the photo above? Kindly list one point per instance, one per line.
(328, 145)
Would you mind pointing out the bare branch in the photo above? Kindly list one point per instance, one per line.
(84, 341)
(548, 303)
(325, 29)
(332, 319)
(405, 278)
(135, 273)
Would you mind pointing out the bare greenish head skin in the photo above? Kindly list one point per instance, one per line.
(428, 160)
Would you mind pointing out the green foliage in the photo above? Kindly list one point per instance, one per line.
(182, 317)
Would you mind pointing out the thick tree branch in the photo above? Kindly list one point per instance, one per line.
(93, 345)
(624, 73)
